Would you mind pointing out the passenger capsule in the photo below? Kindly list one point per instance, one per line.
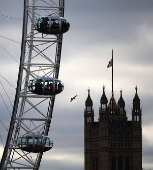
(45, 86)
(35, 143)
(52, 25)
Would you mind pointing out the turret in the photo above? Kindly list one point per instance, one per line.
(103, 106)
(121, 104)
(136, 110)
(112, 105)
(89, 113)
(103, 101)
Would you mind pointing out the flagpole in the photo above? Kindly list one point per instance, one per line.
(112, 74)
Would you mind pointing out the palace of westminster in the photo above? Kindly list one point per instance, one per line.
(113, 142)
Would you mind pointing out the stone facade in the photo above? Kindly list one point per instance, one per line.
(113, 142)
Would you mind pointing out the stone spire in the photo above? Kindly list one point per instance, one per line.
(136, 100)
(88, 101)
(136, 111)
(103, 99)
(121, 102)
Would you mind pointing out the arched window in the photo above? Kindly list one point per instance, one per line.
(120, 163)
(127, 163)
(113, 163)
(95, 163)
(103, 107)
(121, 110)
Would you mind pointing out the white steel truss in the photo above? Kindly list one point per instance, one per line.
(32, 113)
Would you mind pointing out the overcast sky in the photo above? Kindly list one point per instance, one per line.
(97, 27)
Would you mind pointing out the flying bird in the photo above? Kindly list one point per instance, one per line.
(73, 98)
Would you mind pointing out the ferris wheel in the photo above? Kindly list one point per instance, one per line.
(37, 85)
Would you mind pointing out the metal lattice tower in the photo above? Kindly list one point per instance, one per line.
(32, 113)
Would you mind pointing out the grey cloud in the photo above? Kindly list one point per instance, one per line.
(60, 165)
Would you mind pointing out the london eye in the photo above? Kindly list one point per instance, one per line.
(37, 84)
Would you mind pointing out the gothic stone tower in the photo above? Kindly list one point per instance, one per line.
(113, 142)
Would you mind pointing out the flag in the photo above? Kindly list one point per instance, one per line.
(110, 63)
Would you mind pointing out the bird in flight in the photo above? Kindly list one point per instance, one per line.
(73, 98)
